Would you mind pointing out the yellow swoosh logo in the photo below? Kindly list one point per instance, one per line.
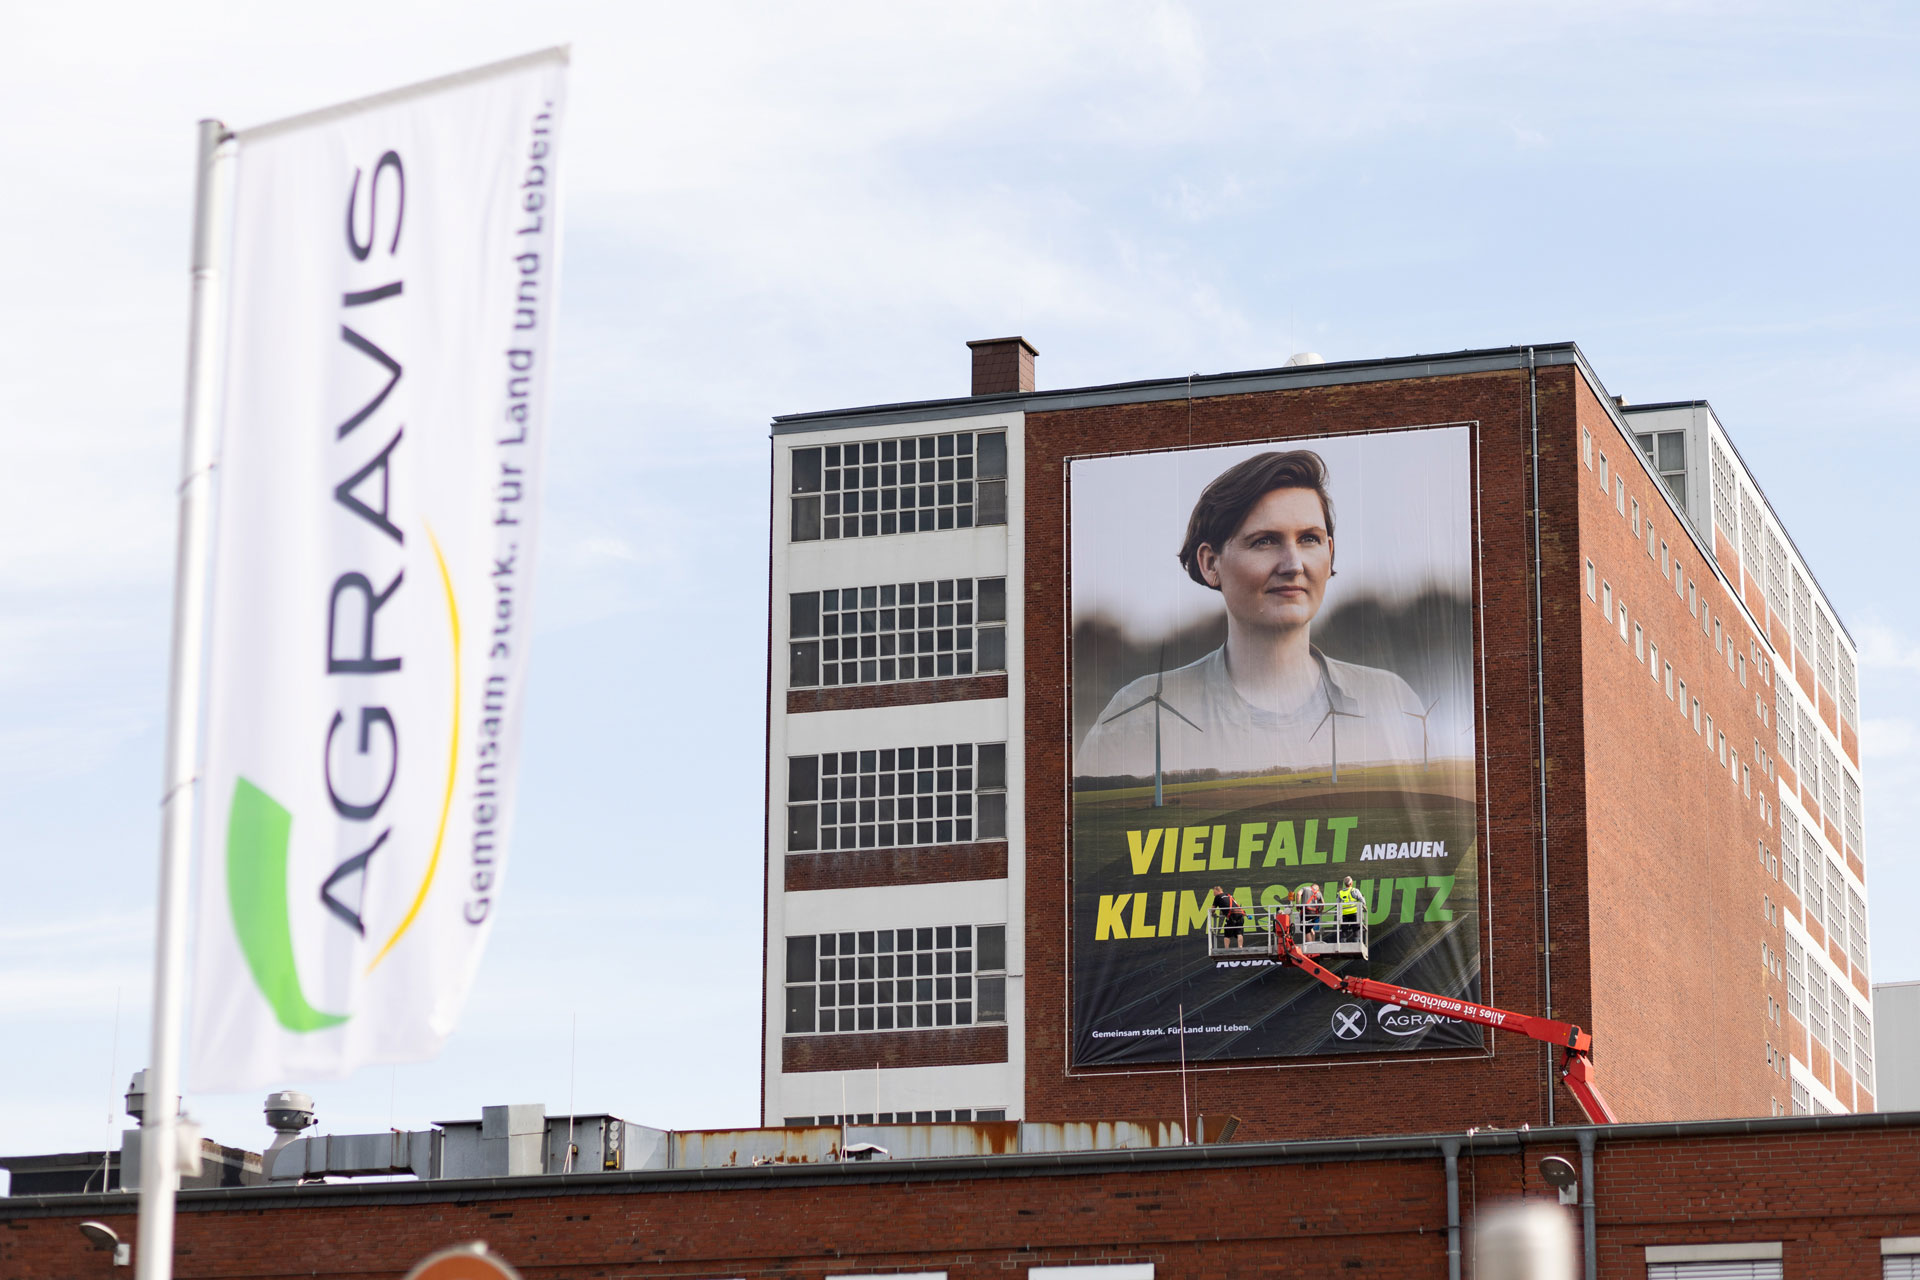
(453, 764)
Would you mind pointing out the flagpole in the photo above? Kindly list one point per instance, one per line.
(159, 1137)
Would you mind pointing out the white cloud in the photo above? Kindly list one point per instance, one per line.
(1886, 738)
(1883, 648)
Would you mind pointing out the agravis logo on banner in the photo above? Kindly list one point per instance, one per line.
(394, 277)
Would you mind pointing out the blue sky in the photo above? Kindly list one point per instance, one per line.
(778, 208)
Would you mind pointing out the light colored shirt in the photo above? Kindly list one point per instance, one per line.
(1373, 719)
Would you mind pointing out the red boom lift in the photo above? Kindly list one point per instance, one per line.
(1296, 942)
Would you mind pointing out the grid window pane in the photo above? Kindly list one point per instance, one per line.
(896, 796)
(855, 988)
(1857, 929)
(874, 488)
(992, 452)
(898, 631)
(1842, 1026)
(1836, 904)
(1796, 980)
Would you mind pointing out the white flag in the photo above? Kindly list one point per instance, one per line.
(387, 365)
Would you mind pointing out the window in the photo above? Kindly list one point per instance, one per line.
(1796, 981)
(1666, 564)
(1723, 495)
(1862, 1049)
(1683, 697)
(1746, 779)
(1851, 807)
(1721, 749)
(903, 631)
(1857, 929)
(1696, 715)
(1758, 1261)
(1841, 1011)
(1639, 642)
(1811, 880)
(1623, 621)
(1606, 599)
(876, 487)
(1817, 1002)
(1829, 783)
(894, 797)
(1776, 583)
(1802, 1103)
(1668, 668)
(1649, 537)
(1604, 473)
(895, 979)
(1849, 693)
(1620, 497)
(1653, 660)
(1667, 452)
(1802, 615)
(1590, 591)
(1743, 670)
(1633, 521)
(1809, 747)
(1094, 1271)
(1693, 598)
(1716, 635)
(1790, 855)
(1586, 447)
(1836, 904)
(1823, 648)
(1679, 580)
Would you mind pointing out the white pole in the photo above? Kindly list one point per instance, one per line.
(159, 1152)
(1186, 1118)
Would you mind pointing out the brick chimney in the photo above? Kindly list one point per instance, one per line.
(1001, 365)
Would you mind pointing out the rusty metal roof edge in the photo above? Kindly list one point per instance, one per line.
(1034, 1164)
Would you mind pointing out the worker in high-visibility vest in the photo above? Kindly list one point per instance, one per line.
(1352, 903)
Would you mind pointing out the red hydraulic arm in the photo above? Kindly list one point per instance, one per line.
(1576, 1070)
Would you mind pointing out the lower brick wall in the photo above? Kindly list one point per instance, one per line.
(934, 1047)
(905, 693)
(1828, 1190)
(928, 864)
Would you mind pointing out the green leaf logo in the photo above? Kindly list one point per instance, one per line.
(257, 832)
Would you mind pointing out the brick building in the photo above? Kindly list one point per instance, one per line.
(1684, 877)
(1805, 1198)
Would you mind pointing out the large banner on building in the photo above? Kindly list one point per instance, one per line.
(394, 266)
(1273, 691)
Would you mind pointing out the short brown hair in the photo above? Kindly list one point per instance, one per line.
(1224, 504)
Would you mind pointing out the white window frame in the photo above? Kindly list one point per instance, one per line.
(1673, 1257)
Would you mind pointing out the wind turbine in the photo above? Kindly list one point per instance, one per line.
(1421, 716)
(1158, 702)
(1333, 717)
